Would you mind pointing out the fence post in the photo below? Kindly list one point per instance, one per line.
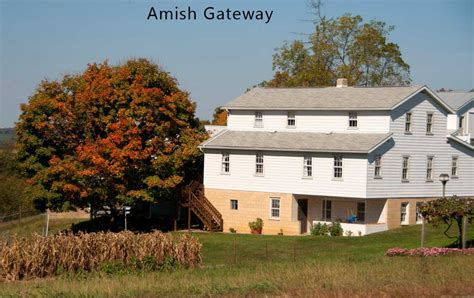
(235, 252)
(47, 222)
(464, 231)
(20, 214)
(266, 250)
(294, 251)
(423, 233)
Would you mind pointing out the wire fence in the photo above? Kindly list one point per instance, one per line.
(19, 215)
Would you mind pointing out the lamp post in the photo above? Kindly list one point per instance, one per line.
(444, 178)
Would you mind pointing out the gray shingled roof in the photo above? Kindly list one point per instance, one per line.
(323, 98)
(456, 99)
(296, 141)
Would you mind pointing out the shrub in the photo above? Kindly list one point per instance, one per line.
(256, 226)
(335, 229)
(40, 256)
(320, 229)
(232, 230)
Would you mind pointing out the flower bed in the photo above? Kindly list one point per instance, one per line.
(428, 252)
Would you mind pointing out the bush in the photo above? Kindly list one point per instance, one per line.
(256, 225)
(320, 230)
(335, 229)
(40, 256)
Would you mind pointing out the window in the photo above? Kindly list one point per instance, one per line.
(403, 213)
(337, 167)
(353, 120)
(275, 208)
(454, 167)
(234, 204)
(327, 207)
(419, 216)
(429, 123)
(429, 168)
(408, 122)
(225, 163)
(361, 211)
(378, 167)
(259, 164)
(258, 119)
(307, 166)
(405, 164)
(291, 120)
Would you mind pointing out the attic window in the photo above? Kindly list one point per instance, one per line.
(258, 119)
(353, 119)
(291, 121)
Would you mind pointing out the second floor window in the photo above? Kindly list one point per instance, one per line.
(408, 122)
(454, 166)
(258, 119)
(405, 168)
(429, 168)
(353, 120)
(378, 167)
(429, 123)
(337, 167)
(308, 166)
(225, 163)
(291, 120)
(259, 164)
(461, 122)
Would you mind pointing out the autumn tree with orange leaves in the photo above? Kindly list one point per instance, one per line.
(111, 136)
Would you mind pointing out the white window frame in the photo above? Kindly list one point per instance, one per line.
(353, 121)
(454, 167)
(429, 168)
(258, 121)
(326, 210)
(405, 168)
(408, 122)
(291, 120)
(259, 161)
(429, 123)
(378, 165)
(275, 207)
(404, 213)
(234, 204)
(307, 167)
(225, 163)
(337, 165)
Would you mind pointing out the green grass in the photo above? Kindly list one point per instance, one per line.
(296, 266)
(35, 224)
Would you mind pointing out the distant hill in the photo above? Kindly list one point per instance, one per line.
(7, 135)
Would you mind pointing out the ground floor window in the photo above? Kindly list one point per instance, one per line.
(234, 204)
(419, 216)
(275, 208)
(361, 211)
(403, 213)
(327, 208)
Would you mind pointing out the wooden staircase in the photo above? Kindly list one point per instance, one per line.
(193, 198)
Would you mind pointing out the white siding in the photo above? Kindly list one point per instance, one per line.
(313, 121)
(418, 146)
(283, 172)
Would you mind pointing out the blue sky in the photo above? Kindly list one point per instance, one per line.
(214, 60)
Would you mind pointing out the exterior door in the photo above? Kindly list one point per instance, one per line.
(303, 215)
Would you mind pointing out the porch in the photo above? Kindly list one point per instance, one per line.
(358, 217)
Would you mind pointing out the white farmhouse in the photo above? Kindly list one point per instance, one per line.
(364, 156)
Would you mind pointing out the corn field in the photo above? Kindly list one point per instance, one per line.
(39, 256)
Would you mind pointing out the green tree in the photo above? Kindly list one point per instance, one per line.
(343, 47)
(110, 136)
(449, 211)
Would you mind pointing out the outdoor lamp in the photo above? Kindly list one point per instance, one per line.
(444, 178)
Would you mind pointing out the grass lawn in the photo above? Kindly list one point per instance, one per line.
(283, 265)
